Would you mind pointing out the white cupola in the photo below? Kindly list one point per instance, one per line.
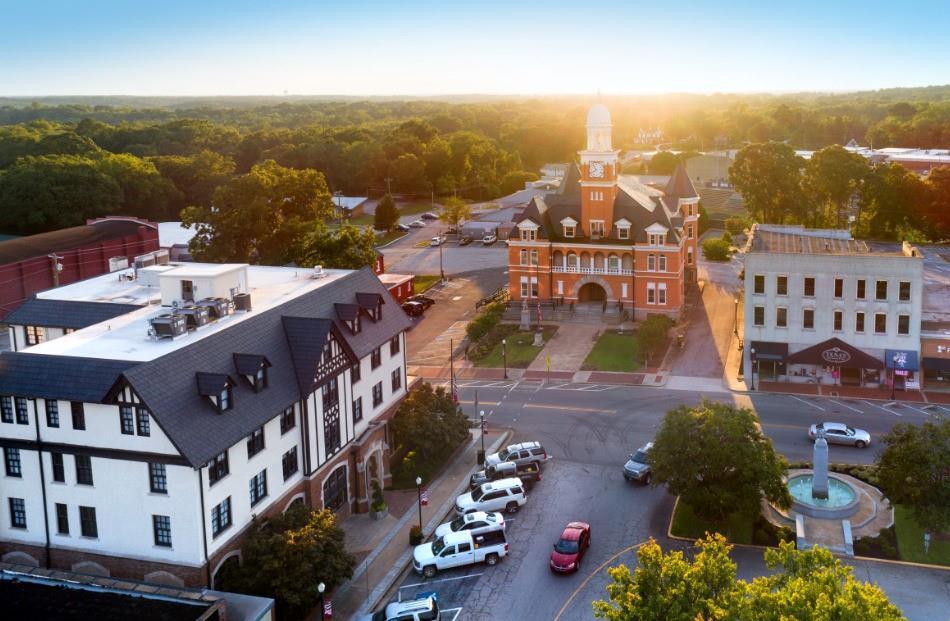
(599, 128)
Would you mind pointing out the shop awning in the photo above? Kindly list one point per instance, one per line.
(937, 364)
(901, 359)
(835, 352)
(765, 350)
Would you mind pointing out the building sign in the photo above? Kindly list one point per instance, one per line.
(900, 359)
(835, 355)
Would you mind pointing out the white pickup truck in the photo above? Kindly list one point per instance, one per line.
(458, 549)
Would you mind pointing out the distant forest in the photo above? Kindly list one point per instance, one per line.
(66, 159)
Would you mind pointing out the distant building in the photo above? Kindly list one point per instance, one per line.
(349, 206)
(709, 170)
(921, 161)
(175, 238)
(649, 136)
(400, 286)
(37, 262)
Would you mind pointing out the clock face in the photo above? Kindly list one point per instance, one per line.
(596, 169)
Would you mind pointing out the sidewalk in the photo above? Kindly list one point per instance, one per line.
(650, 377)
(389, 538)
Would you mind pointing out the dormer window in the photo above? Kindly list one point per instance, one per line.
(569, 227)
(372, 304)
(260, 379)
(529, 234)
(217, 387)
(253, 368)
(657, 239)
(623, 232)
(570, 231)
(224, 399)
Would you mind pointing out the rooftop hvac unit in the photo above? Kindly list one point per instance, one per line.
(242, 302)
(118, 263)
(161, 256)
(144, 260)
(318, 271)
(218, 308)
(168, 326)
(195, 316)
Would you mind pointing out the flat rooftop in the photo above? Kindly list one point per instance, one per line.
(778, 239)
(126, 337)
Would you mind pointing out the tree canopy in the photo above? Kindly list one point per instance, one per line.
(805, 586)
(717, 460)
(455, 211)
(768, 177)
(386, 216)
(430, 424)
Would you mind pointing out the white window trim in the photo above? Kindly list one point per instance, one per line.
(758, 325)
(780, 327)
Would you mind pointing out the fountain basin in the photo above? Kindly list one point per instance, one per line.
(842, 498)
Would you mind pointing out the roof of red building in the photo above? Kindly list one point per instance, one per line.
(68, 239)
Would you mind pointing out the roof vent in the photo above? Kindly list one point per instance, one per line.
(242, 302)
(118, 263)
(167, 326)
(318, 271)
(195, 316)
(218, 308)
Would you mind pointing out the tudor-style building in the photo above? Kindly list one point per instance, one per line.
(601, 238)
(141, 443)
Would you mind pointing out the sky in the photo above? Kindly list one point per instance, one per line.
(401, 47)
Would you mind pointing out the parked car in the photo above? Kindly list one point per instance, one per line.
(413, 309)
(488, 240)
(459, 549)
(465, 240)
(638, 467)
(570, 548)
(519, 454)
(429, 216)
(402, 227)
(504, 495)
(424, 607)
(421, 299)
(438, 240)
(529, 473)
(451, 230)
(476, 523)
(839, 433)
(417, 224)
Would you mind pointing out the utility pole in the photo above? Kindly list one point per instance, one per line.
(389, 189)
(56, 267)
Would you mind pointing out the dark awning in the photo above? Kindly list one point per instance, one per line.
(937, 364)
(765, 350)
(835, 352)
(900, 359)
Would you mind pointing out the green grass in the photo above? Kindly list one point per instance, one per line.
(910, 540)
(425, 281)
(391, 236)
(414, 208)
(521, 352)
(737, 528)
(365, 219)
(614, 352)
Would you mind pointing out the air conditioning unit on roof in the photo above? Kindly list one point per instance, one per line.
(318, 271)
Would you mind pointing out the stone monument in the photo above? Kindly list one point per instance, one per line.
(525, 316)
(819, 486)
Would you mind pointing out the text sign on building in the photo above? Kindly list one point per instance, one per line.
(835, 355)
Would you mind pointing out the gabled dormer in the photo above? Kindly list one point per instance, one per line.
(218, 389)
(569, 227)
(349, 314)
(253, 368)
(656, 234)
(372, 304)
(528, 230)
(622, 227)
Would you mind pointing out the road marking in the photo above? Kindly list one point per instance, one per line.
(845, 405)
(568, 408)
(808, 403)
(481, 402)
(916, 409)
(583, 584)
(446, 611)
(880, 408)
(417, 584)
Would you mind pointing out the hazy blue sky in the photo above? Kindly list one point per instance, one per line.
(209, 47)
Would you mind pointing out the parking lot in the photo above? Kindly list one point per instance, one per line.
(402, 256)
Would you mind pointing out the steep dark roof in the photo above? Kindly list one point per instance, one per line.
(680, 186)
(69, 378)
(249, 364)
(347, 312)
(306, 337)
(369, 301)
(211, 384)
(66, 239)
(571, 183)
(65, 313)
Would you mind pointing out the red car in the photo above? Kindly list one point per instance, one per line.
(570, 548)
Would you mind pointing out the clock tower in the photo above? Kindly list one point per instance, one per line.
(598, 174)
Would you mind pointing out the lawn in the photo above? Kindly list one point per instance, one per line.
(614, 352)
(737, 529)
(385, 238)
(519, 348)
(910, 540)
(424, 281)
(414, 208)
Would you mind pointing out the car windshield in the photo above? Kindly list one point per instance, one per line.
(640, 457)
(437, 546)
(477, 494)
(503, 456)
(566, 546)
(457, 523)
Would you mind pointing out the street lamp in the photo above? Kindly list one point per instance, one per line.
(893, 375)
(504, 355)
(320, 589)
(752, 370)
(441, 271)
(419, 493)
(735, 322)
(481, 415)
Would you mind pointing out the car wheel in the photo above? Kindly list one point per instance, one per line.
(429, 571)
(512, 507)
(491, 559)
(647, 478)
(860, 444)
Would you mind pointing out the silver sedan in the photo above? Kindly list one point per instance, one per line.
(839, 433)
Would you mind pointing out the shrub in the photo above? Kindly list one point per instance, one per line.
(727, 237)
(761, 538)
(379, 502)
(487, 319)
(716, 249)
(786, 534)
(737, 224)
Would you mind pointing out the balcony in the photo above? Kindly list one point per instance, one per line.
(603, 271)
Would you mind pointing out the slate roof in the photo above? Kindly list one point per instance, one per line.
(347, 312)
(306, 337)
(680, 186)
(65, 313)
(249, 364)
(211, 384)
(69, 378)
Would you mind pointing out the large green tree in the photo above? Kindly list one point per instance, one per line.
(914, 470)
(195, 176)
(717, 460)
(285, 556)
(455, 211)
(515, 181)
(265, 216)
(386, 216)
(831, 177)
(890, 199)
(430, 424)
(935, 210)
(809, 585)
(768, 175)
(348, 248)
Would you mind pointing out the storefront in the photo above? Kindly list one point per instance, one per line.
(935, 360)
(768, 360)
(902, 367)
(834, 362)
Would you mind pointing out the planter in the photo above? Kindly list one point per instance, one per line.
(415, 537)
(378, 515)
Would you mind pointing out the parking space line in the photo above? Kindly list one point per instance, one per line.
(916, 409)
(417, 584)
(885, 409)
(583, 584)
(446, 611)
(818, 407)
(845, 405)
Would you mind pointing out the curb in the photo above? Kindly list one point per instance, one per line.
(390, 243)
(390, 578)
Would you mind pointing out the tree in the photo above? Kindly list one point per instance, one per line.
(196, 176)
(935, 211)
(264, 216)
(663, 163)
(768, 175)
(703, 224)
(386, 216)
(515, 181)
(914, 470)
(286, 555)
(716, 249)
(890, 199)
(716, 459)
(651, 334)
(409, 173)
(430, 424)
(455, 211)
(810, 585)
(347, 248)
(737, 224)
(831, 177)
(144, 191)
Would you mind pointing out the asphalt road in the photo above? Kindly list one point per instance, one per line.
(589, 430)
(403, 257)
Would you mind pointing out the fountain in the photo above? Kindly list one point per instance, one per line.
(820, 494)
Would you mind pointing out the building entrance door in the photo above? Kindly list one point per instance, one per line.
(591, 292)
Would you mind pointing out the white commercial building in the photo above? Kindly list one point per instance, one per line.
(822, 307)
(147, 415)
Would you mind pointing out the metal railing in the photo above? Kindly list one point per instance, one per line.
(557, 269)
(500, 295)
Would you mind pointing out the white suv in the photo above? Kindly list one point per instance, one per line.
(504, 495)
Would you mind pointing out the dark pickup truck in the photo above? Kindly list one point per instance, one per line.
(529, 473)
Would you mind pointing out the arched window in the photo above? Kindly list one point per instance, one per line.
(334, 489)
(572, 260)
(613, 263)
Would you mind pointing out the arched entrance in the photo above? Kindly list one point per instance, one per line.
(591, 292)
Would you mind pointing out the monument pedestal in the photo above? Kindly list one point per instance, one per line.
(525, 319)
(538, 338)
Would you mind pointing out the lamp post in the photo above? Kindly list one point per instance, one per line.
(320, 589)
(441, 270)
(735, 322)
(752, 370)
(504, 355)
(419, 494)
(481, 416)
(893, 375)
